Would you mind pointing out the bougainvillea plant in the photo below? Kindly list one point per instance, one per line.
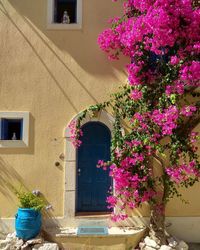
(159, 107)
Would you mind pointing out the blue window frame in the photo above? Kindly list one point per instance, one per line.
(11, 129)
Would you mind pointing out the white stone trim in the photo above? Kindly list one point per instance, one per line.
(59, 26)
(102, 117)
(70, 172)
(25, 133)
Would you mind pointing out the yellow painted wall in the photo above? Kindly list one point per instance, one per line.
(54, 74)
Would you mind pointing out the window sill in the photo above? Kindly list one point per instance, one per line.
(12, 144)
(60, 26)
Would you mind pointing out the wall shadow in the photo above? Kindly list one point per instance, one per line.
(33, 32)
(41, 59)
(4, 229)
(9, 180)
(86, 53)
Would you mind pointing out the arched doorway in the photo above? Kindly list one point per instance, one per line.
(92, 184)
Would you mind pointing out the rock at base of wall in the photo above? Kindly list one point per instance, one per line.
(13, 243)
(46, 246)
(165, 247)
(150, 243)
(182, 246)
(173, 244)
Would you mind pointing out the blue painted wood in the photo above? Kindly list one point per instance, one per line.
(4, 129)
(93, 183)
(154, 59)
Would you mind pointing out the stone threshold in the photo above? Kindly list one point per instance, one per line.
(112, 232)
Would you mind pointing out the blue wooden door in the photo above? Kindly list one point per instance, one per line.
(93, 183)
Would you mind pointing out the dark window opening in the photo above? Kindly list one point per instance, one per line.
(11, 129)
(64, 9)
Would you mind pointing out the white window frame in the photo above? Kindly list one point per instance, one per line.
(59, 26)
(24, 142)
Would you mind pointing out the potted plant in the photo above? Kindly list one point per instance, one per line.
(28, 218)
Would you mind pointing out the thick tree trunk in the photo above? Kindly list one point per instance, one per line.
(157, 224)
(157, 210)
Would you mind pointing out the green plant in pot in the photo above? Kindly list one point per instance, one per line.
(28, 218)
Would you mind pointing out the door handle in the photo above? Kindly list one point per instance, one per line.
(79, 171)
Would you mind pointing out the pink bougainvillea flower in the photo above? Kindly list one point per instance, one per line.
(188, 110)
(174, 60)
(136, 94)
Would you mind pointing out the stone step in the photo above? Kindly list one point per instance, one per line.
(117, 239)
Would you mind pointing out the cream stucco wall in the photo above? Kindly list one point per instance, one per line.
(54, 74)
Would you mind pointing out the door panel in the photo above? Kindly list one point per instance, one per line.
(93, 183)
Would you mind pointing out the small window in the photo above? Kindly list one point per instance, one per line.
(65, 11)
(64, 14)
(11, 129)
(14, 129)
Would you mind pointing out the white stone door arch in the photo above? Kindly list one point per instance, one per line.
(70, 167)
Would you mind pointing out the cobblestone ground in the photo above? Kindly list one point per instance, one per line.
(194, 246)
